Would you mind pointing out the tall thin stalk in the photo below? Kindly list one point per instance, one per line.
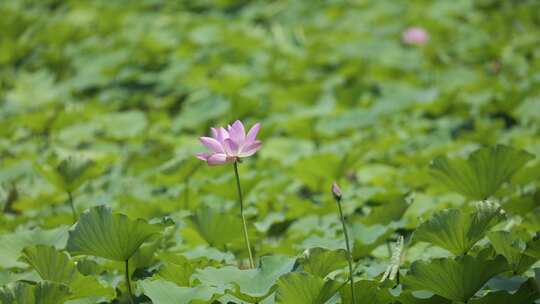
(244, 225)
(72, 204)
(349, 254)
(336, 191)
(128, 282)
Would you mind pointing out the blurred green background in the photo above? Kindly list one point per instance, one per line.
(123, 89)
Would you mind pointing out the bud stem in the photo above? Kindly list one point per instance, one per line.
(349, 253)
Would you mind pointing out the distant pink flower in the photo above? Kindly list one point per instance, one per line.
(231, 144)
(415, 36)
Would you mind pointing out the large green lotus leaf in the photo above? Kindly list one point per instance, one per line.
(44, 292)
(366, 238)
(455, 279)
(18, 293)
(50, 292)
(304, 288)
(320, 262)
(51, 264)
(457, 230)
(508, 245)
(483, 173)
(165, 292)
(447, 229)
(101, 233)
(56, 266)
(366, 292)
(13, 243)
(251, 285)
(176, 268)
(217, 227)
(528, 292)
(90, 287)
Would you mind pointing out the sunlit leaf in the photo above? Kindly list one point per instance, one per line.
(55, 266)
(483, 173)
(304, 288)
(320, 262)
(44, 292)
(365, 292)
(512, 248)
(457, 230)
(101, 233)
(89, 287)
(176, 269)
(217, 227)
(456, 279)
(165, 292)
(252, 285)
(366, 238)
(51, 264)
(13, 243)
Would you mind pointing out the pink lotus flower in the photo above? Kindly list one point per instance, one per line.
(415, 36)
(231, 144)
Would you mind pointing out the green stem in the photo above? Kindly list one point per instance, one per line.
(241, 201)
(72, 204)
(349, 254)
(128, 283)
